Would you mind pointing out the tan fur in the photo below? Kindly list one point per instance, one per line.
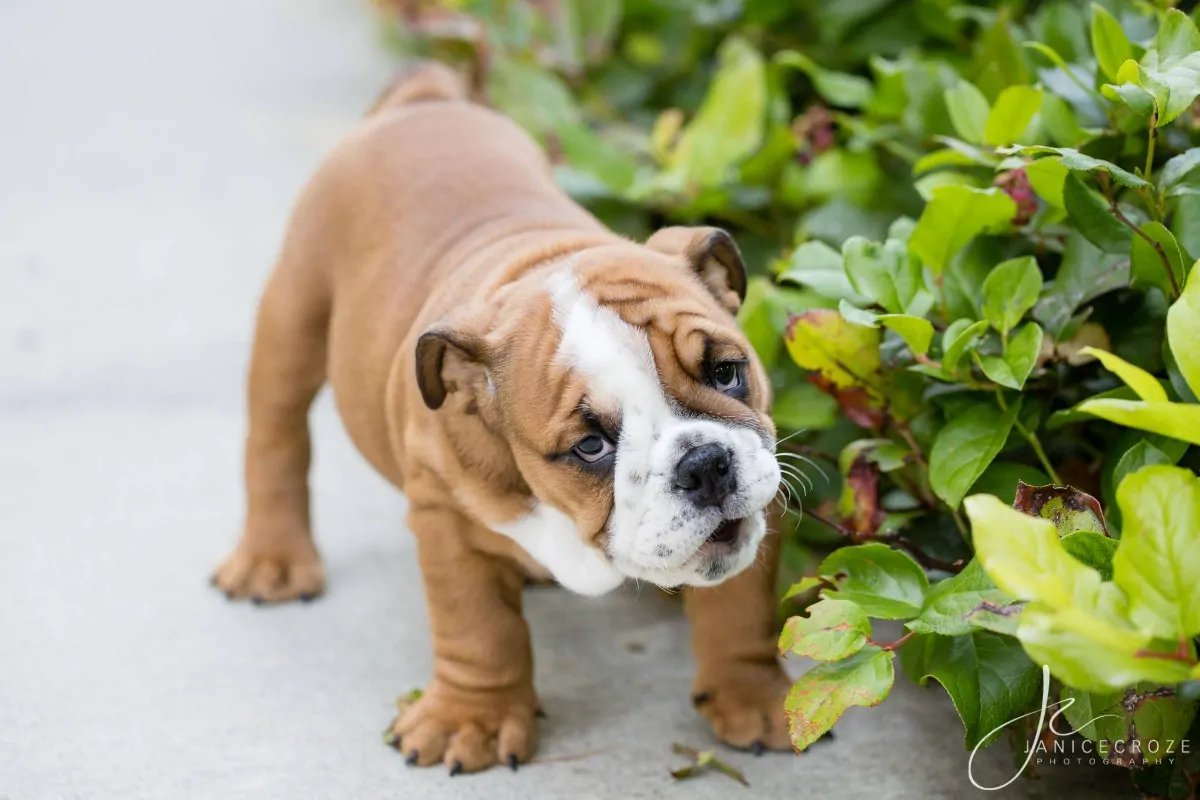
(437, 214)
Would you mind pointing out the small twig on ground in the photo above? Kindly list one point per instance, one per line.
(703, 760)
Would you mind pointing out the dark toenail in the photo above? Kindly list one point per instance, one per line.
(258, 601)
(229, 595)
(758, 748)
(390, 738)
(700, 698)
(307, 598)
(540, 714)
(512, 762)
(413, 755)
(455, 768)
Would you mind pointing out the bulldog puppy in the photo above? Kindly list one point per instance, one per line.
(556, 401)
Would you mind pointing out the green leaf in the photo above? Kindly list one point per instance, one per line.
(988, 677)
(1177, 169)
(1010, 116)
(1020, 355)
(886, 583)
(917, 332)
(844, 353)
(960, 338)
(1047, 176)
(966, 445)
(949, 602)
(1076, 161)
(1085, 273)
(1106, 718)
(1091, 548)
(823, 694)
(1158, 562)
(955, 216)
(1146, 264)
(802, 586)
(969, 111)
(802, 406)
(833, 630)
(1141, 454)
(819, 267)
(1143, 383)
(1093, 219)
(1009, 291)
(838, 88)
(1109, 42)
(884, 273)
(729, 125)
(1170, 71)
(1183, 332)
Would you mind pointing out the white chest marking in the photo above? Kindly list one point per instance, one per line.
(550, 537)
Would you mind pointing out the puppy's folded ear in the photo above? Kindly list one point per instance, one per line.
(712, 255)
(433, 347)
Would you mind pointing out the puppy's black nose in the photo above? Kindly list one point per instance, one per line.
(705, 475)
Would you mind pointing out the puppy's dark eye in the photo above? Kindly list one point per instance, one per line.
(727, 376)
(593, 448)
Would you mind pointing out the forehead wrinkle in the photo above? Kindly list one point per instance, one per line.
(614, 356)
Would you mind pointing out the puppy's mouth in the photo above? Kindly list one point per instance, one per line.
(725, 539)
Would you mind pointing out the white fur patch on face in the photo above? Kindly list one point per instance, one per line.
(552, 539)
(655, 533)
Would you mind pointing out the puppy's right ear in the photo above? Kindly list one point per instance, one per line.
(433, 347)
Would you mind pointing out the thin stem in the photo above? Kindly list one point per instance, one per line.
(1153, 136)
(958, 521)
(1034, 442)
(1158, 248)
(896, 645)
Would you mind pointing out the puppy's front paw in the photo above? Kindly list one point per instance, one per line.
(744, 705)
(467, 731)
(290, 571)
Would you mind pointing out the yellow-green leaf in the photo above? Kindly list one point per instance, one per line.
(969, 111)
(844, 353)
(1158, 561)
(1011, 114)
(1183, 332)
(955, 216)
(1109, 42)
(1177, 420)
(833, 630)
(1146, 385)
(1047, 176)
(823, 694)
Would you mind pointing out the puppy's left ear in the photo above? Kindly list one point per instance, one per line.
(712, 255)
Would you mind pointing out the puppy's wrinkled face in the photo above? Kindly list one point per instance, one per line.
(641, 412)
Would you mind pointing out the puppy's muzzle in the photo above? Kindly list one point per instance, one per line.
(706, 475)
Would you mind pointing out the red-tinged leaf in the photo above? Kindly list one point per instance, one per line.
(1068, 508)
(845, 354)
(860, 496)
(860, 406)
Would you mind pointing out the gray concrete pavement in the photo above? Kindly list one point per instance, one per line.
(149, 153)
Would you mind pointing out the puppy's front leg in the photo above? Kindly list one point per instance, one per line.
(740, 685)
(480, 707)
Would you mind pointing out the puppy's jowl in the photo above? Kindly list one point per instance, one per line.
(555, 400)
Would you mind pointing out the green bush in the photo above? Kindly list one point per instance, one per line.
(973, 226)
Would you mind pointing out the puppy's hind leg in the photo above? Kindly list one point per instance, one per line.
(276, 559)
